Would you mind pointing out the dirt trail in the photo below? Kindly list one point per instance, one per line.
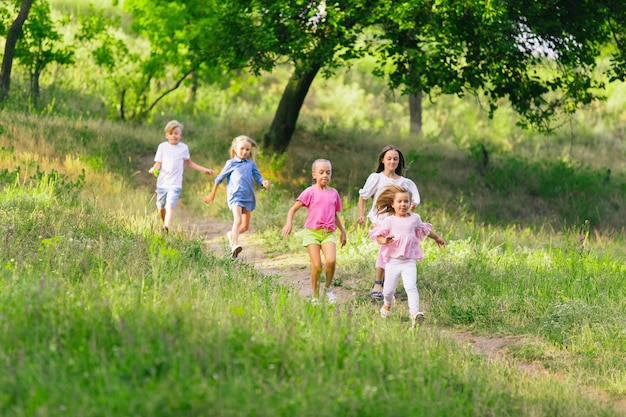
(292, 270)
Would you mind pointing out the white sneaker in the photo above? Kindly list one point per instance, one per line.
(237, 250)
(417, 319)
(332, 298)
(384, 312)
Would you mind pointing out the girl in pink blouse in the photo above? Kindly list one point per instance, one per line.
(389, 171)
(399, 235)
(323, 204)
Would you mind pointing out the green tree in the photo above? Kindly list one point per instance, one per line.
(41, 45)
(12, 35)
(110, 53)
(539, 55)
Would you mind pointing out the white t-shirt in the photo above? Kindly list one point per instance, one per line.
(375, 184)
(172, 159)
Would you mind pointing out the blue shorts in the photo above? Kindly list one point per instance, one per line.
(317, 237)
(167, 197)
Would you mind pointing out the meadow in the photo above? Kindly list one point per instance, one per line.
(102, 315)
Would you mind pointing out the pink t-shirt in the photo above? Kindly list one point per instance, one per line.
(322, 206)
(407, 234)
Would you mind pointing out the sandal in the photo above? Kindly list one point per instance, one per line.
(377, 295)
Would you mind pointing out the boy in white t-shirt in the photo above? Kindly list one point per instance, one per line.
(169, 165)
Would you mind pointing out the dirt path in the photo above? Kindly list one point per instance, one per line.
(292, 270)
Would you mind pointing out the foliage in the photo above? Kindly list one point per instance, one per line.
(538, 56)
(41, 45)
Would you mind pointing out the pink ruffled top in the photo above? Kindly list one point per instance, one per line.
(407, 234)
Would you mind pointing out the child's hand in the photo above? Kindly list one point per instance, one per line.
(209, 171)
(440, 242)
(286, 230)
(266, 183)
(209, 199)
(360, 220)
(388, 239)
(343, 239)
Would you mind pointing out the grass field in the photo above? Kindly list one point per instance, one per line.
(101, 315)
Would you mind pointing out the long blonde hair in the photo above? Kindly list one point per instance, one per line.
(386, 197)
(239, 139)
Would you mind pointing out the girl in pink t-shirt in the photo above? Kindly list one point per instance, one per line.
(323, 204)
(400, 235)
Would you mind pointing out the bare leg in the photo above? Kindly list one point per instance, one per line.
(330, 259)
(245, 220)
(169, 216)
(316, 268)
(237, 221)
(162, 215)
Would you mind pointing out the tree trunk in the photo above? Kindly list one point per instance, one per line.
(284, 124)
(34, 87)
(9, 48)
(415, 112)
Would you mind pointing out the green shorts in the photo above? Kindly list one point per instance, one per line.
(317, 237)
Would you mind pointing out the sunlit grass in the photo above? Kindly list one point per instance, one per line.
(102, 315)
(95, 305)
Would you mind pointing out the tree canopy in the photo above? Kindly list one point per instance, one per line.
(541, 56)
(538, 55)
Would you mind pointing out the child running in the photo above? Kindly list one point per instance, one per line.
(239, 171)
(169, 164)
(323, 204)
(399, 235)
(389, 171)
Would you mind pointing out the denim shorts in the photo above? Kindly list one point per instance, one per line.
(167, 197)
(317, 237)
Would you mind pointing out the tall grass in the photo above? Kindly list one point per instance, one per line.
(105, 318)
(102, 315)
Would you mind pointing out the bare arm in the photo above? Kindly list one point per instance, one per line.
(209, 198)
(438, 239)
(343, 239)
(361, 218)
(292, 211)
(155, 167)
(189, 163)
(383, 240)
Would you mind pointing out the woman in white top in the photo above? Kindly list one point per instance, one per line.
(389, 171)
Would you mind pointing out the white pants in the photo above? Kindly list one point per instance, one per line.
(406, 268)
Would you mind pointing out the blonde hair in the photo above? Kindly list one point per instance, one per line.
(172, 125)
(386, 197)
(318, 161)
(239, 139)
